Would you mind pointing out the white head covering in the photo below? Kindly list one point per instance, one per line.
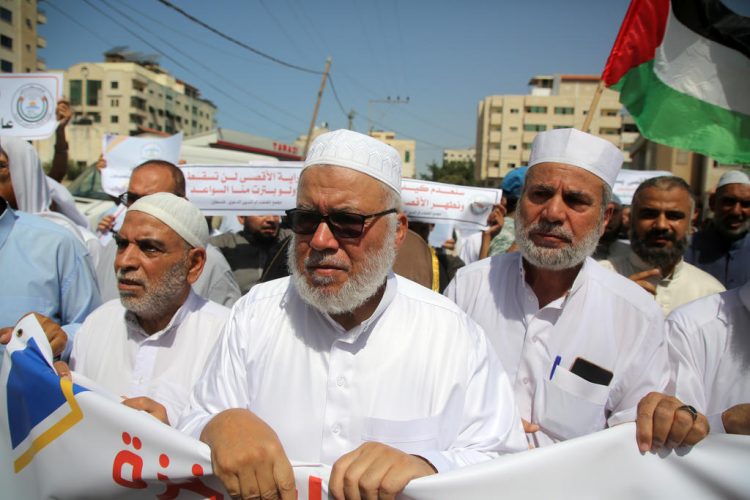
(345, 148)
(579, 149)
(26, 175)
(733, 177)
(178, 213)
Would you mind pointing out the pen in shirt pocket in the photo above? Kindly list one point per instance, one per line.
(554, 366)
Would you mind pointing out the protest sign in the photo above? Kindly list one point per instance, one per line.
(466, 206)
(27, 104)
(124, 153)
(628, 181)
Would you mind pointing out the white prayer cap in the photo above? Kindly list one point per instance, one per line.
(345, 148)
(733, 177)
(178, 213)
(573, 147)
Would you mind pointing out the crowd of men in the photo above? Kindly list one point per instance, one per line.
(341, 361)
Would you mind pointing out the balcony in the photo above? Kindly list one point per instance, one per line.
(41, 64)
(40, 42)
(41, 17)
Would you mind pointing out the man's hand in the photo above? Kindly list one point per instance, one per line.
(148, 405)
(62, 369)
(55, 335)
(247, 456)
(5, 334)
(737, 419)
(529, 427)
(642, 279)
(101, 163)
(375, 471)
(106, 224)
(661, 422)
(63, 113)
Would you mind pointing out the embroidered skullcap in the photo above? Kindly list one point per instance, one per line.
(345, 148)
(579, 149)
(733, 177)
(178, 213)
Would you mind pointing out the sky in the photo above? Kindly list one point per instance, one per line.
(443, 55)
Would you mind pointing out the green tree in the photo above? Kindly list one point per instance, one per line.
(451, 172)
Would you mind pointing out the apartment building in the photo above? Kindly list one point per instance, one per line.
(463, 155)
(405, 147)
(507, 124)
(19, 40)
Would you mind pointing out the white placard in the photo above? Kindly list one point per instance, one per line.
(257, 189)
(466, 206)
(628, 181)
(124, 153)
(27, 104)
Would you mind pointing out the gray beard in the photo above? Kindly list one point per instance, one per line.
(555, 259)
(158, 296)
(659, 257)
(356, 290)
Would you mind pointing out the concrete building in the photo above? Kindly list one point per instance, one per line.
(507, 124)
(128, 94)
(19, 40)
(405, 147)
(262, 147)
(464, 155)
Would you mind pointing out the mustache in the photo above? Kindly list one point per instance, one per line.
(129, 276)
(661, 233)
(316, 259)
(547, 227)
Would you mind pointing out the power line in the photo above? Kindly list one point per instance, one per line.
(336, 95)
(237, 42)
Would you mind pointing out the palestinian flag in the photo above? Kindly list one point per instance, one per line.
(683, 72)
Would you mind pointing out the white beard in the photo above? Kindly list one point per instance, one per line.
(555, 259)
(357, 289)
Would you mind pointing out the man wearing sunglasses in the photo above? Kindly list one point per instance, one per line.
(216, 283)
(343, 362)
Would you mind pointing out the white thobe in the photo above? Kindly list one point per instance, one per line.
(112, 349)
(604, 319)
(709, 353)
(417, 375)
(686, 283)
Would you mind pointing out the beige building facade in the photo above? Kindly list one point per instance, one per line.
(463, 155)
(19, 40)
(405, 147)
(507, 124)
(127, 97)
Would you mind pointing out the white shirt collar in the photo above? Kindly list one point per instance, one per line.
(191, 303)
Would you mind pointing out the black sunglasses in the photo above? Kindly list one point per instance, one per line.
(341, 224)
(129, 198)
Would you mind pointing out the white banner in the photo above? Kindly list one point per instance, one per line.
(61, 440)
(271, 188)
(124, 153)
(628, 181)
(28, 102)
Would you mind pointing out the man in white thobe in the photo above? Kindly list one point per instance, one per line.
(151, 344)
(343, 362)
(581, 344)
(709, 352)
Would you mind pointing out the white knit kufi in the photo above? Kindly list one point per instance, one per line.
(177, 213)
(345, 148)
(733, 177)
(579, 149)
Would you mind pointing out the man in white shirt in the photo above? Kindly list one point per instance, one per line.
(343, 362)
(582, 344)
(709, 352)
(659, 226)
(151, 344)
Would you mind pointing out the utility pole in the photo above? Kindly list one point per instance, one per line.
(350, 118)
(387, 100)
(317, 105)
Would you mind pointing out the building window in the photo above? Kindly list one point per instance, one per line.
(514, 129)
(6, 42)
(114, 103)
(511, 165)
(96, 117)
(496, 109)
(407, 156)
(114, 85)
(28, 23)
(530, 127)
(114, 119)
(561, 126)
(6, 15)
(512, 147)
(75, 93)
(609, 112)
(526, 146)
(6, 66)
(92, 92)
(536, 109)
(564, 110)
(513, 111)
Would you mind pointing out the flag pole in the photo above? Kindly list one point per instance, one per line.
(594, 105)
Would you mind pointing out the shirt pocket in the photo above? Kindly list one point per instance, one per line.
(569, 406)
(409, 436)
